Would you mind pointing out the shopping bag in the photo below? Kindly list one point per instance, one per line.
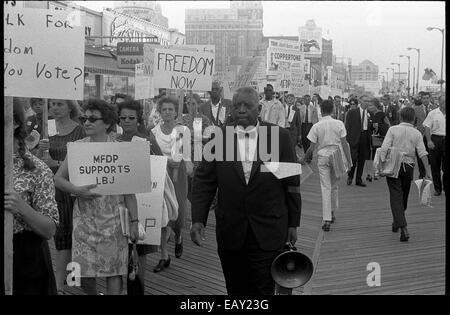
(424, 187)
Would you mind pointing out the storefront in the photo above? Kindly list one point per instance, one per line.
(103, 78)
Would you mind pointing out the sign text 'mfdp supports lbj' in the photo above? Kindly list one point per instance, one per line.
(43, 53)
(184, 70)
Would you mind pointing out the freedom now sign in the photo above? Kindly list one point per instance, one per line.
(183, 69)
(116, 167)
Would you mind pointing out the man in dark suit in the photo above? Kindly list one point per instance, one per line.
(391, 110)
(216, 109)
(359, 128)
(257, 214)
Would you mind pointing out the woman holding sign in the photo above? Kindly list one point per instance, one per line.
(167, 138)
(66, 113)
(32, 202)
(131, 117)
(98, 244)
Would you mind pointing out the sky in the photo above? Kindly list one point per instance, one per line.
(379, 31)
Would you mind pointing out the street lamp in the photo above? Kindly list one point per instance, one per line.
(409, 68)
(393, 73)
(398, 64)
(418, 70)
(442, 57)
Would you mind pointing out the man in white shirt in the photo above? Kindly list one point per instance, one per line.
(327, 135)
(217, 109)
(272, 110)
(435, 133)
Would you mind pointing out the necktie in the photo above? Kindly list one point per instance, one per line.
(306, 116)
(362, 119)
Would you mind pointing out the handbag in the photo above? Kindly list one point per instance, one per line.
(377, 141)
(134, 285)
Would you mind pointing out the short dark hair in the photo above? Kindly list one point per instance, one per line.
(269, 85)
(386, 96)
(354, 100)
(167, 99)
(377, 102)
(407, 114)
(337, 96)
(426, 93)
(246, 90)
(307, 95)
(108, 112)
(132, 105)
(326, 107)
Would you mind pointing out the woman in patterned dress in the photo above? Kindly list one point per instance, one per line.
(66, 113)
(98, 244)
(32, 202)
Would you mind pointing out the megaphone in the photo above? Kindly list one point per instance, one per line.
(290, 269)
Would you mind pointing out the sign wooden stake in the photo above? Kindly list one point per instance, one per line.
(8, 224)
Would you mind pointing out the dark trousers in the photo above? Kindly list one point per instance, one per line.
(247, 270)
(422, 171)
(306, 127)
(359, 159)
(398, 194)
(437, 161)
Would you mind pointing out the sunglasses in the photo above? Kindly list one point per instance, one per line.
(91, 119)
(125, 118)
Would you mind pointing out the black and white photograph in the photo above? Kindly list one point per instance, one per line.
(224, 152)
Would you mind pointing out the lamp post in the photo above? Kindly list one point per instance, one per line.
(393, 73)
(418, 69)
(409, 68)
(398, 64)
(442, 56)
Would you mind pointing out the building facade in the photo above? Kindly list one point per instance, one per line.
(365, 71)
(236, 31)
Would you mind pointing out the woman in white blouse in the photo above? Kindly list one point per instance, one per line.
(167, 137)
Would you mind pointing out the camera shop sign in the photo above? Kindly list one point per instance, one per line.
(129, 54)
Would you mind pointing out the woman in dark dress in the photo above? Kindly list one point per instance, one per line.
(66, 113)
(132, 123)
(32, 202)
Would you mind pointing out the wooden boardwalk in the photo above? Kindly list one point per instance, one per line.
(361, 235)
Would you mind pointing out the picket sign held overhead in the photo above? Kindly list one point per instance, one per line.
(183, 69)
(116, 167)
(43, 53)
(143, 83)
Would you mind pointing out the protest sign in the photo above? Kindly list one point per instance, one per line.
(150, 204)
(116, 167)
(183, 69)
(143, 84)
(43, 53)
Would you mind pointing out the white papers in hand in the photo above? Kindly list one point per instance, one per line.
(282, 169)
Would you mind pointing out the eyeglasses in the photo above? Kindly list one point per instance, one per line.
(91, 119)
(125, 118)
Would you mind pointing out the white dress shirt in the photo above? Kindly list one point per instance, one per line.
(436, 122)
(406, 138)
(364, 126)
(327, 133)
(247, 148)
(215, 110)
